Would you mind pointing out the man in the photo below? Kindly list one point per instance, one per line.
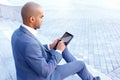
(35, 61)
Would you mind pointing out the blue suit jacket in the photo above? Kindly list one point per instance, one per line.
(33, 61)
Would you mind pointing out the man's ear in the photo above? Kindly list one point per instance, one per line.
(32, 19)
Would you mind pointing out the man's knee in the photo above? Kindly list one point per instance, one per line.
(82, 64)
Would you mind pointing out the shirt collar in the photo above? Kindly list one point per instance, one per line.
(33, 31)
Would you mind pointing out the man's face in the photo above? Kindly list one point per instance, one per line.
(38, 19)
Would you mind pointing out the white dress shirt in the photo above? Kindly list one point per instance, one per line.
(31, 30)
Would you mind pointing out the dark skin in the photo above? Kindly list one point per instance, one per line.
(32, 16)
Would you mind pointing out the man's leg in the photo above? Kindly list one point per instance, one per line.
(71, 68)
(82, 71)
(68, 57)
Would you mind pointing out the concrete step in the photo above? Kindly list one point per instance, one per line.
(7, 58)
(8, 23)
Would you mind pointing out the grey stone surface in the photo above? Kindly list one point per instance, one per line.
(94, 26)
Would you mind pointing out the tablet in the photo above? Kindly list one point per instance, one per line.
(66, 38)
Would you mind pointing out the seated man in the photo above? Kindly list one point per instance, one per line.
(35, 61)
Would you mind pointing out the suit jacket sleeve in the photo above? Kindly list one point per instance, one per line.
(35, 59)
(53, 52)
(46, 46)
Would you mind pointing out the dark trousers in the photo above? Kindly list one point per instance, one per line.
(73, 66)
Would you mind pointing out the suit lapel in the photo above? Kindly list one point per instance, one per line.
(26, 31)
(44, 50)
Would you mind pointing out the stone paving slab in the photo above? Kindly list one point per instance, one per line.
(8, 60)
(95, 28)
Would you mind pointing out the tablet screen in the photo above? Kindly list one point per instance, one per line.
(66, 38)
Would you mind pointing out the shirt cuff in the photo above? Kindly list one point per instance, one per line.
(59, 51)
(48, 47)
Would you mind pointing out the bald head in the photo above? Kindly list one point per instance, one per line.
(31, 11)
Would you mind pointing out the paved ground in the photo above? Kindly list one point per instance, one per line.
(95, 27)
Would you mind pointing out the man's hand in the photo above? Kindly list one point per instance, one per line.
(61, 46)
(52, 45)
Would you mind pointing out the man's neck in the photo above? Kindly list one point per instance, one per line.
(29, 25)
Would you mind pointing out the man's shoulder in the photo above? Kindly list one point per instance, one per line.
(23, 35)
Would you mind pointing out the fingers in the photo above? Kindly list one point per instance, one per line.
(58, 39)
(61, 46)
(52, 45)
(56, 42)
